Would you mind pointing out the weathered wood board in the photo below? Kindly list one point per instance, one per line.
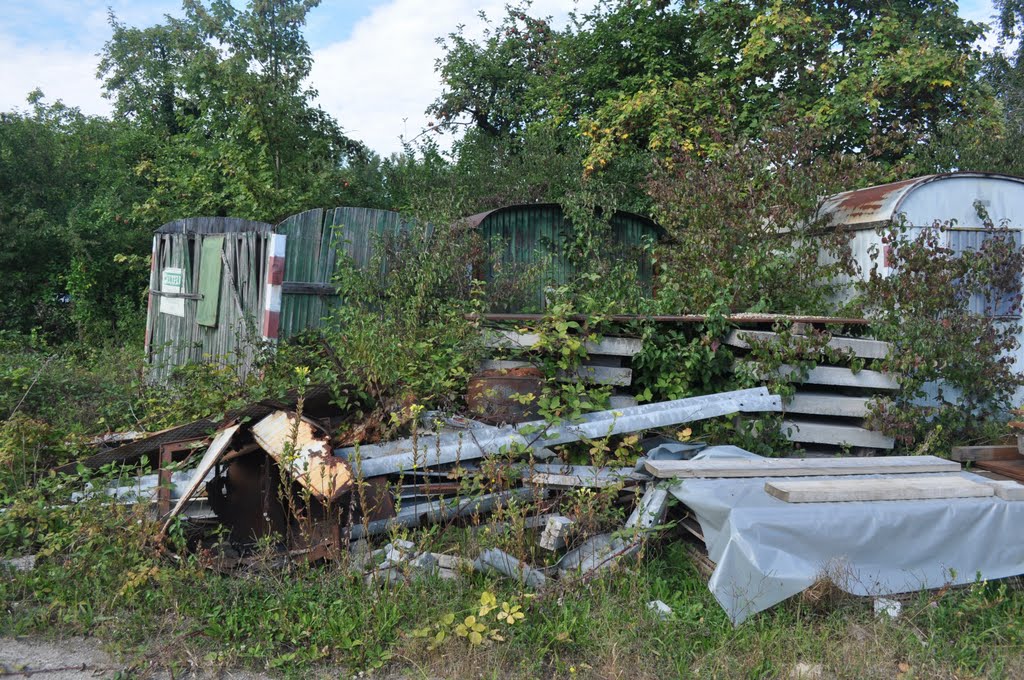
(917, 487)
(825, 404)
(806, 432)
(1014, 469)
(790, 467)
(600, 375)
(865, 349)
(975, 453)
(620, 347)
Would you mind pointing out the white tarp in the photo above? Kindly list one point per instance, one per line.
(767, 550)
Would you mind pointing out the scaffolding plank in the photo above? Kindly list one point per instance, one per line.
(860, 347)
(807, 432)
(875, 489)
(790, 467)
(825, 404)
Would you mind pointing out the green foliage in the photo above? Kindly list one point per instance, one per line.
(675, 364)
(919, 297)
(742, 226)
(229, 123)
(401, 335)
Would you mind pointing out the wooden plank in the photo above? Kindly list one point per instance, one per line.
(964, 454)
(885, 489)
(790, 467)
(806, 432)
(843, 377)
(1007, 489)
(1014, 469)
(307, 288)
(619, 347)
(865, 349)
(209, 281)
(599, 375)
(825, 404)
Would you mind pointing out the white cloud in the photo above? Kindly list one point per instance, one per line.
(65, 74)
(379, 80)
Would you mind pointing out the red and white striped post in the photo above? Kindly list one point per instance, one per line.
(272, 290)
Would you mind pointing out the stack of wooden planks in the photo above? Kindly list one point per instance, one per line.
(830, 406)
(1004, 460)
(908, 478)
(607, 362)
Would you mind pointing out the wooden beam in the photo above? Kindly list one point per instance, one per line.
(964, 454)
(806, 432)
(308, 288)
(795, 467)
(884, 489)
(865, 349)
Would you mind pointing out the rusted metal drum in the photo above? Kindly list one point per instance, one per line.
(491, 395)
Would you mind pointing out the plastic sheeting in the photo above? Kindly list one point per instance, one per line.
(767, 550)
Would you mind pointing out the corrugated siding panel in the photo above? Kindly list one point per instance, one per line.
(963, 240)
(315, 238)
(175, 341)
(520, 238)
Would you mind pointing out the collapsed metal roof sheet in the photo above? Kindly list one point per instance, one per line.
(882, 203)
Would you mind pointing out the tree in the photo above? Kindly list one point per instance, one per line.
(639, 76)
(233, 129)
(68, 188)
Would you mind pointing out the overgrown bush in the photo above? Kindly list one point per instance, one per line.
(955, 364)
(740, 214)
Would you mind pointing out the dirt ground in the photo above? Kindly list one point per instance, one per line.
(74, 659)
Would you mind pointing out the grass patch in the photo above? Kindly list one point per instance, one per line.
(97, 575)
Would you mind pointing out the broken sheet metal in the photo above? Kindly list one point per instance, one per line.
(431, 450)
(767, 550)
(296, 444)
(417, 514)
(217, 448)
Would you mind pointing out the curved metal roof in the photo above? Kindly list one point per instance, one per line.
(476, 220)
(869, 206)
(214, 225)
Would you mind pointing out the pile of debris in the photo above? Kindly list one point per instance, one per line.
(274, 470)
(768, 528)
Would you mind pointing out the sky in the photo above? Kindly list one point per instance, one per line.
(373, 60)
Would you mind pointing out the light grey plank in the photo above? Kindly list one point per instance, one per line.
(805, 432)
(834, 376)
(620, 347)
(865, 349)
(884, 489)
(600, 375)
(825, 404)
(790, 467)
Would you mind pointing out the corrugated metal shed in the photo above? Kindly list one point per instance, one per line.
(923, 200)
(214, 281)
(521, 237)
(210, 311)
